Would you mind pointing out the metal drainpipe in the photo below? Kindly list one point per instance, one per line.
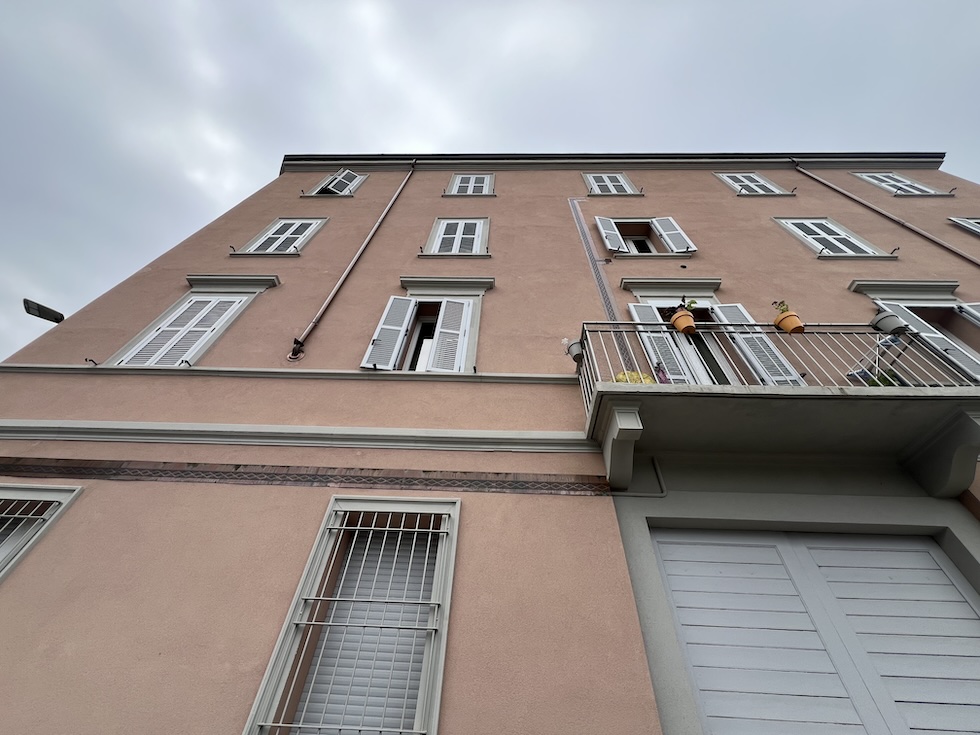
(931, 238)
(297, 352)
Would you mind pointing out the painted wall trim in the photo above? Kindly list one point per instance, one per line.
(897, 289)
(297, 436)
(446, 284)
(234, 372)
(234, 280)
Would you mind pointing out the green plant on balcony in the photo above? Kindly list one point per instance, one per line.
(787, 320)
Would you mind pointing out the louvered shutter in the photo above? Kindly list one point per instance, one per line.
(949, 349)
(673, 237)
(449, 341)
(446, 239)
(610, 234)
(366, 668)
(182, 335)
(389, 337)
(756, 348)
(469, 236)
(660, 346)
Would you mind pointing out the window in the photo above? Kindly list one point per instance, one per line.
(190, 326)
(793, 633)
(609, 184)
(711, 356)
(900, 185)
(751, 184)
(432, 329)
(458, 237)
(24, 511)
(342, 183)
(949, 328)
(657, 236)
(364, 647)
(283, 237)
(829, 239)
(471, 185)
(968, 223)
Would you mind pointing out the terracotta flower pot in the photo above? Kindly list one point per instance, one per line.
(788, 321)
(683, 321)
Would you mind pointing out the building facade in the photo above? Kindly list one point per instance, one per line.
(423, 445)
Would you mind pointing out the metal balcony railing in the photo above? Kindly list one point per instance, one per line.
(852, 355)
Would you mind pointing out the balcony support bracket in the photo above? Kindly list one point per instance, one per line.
(946, 462)
(619, 427)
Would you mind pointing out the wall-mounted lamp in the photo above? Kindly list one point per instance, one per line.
(43, 312)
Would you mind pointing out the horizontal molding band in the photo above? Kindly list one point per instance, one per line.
(298, 436)
(234, 372)
(441, 481)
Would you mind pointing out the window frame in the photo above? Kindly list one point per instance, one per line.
(593, 186)
(437, 234)
(970, 224)
(456, 181)
(16, 546)
(243, 289)
(276, 676)
(250, 248)
(867, 249)
(660, 227)
(777, 191)
(896, 188)
(322, 190)
(421, 290)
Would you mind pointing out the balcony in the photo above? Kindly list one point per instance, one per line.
(751, 389)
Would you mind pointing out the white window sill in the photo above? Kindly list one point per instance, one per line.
(614, 194)
(932, 194)
(445, 194)
(238, 254)
(654, 256)
(328, 195)
(763, 194)
(857, 256)
(453, 255)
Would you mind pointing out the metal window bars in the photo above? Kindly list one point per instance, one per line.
(20, 519)
(365, 628)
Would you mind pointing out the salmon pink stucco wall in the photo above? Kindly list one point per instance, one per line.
(154, 608)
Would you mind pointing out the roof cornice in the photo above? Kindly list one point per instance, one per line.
(499, 161)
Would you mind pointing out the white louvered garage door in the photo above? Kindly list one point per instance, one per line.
(807, 634)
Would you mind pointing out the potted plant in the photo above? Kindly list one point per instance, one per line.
(787, 320)
(682, 319)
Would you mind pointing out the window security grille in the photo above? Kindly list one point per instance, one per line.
(365, 629)
(20, 519)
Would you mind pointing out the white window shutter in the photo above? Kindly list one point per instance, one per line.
(970, 312)
(449, 342)
(610, 233)
(386, 344)
(180, 336)
(672, 235)
(660, 346)
(446, 238)
(757, 349)
(341, 182)
(949, 349)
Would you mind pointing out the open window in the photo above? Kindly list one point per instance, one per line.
(342, 183)
(656, 236)
(951, 329)
(729, 350)
(421, 335)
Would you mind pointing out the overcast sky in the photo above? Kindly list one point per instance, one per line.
(126, 126)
